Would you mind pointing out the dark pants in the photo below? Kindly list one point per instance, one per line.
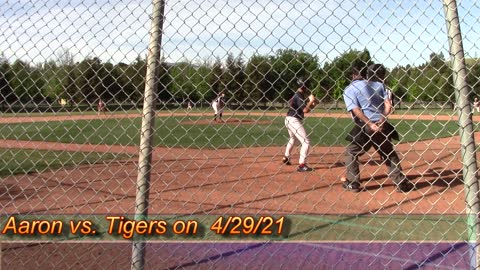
(361, 140)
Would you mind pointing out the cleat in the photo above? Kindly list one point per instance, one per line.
(286, 161)
(351, 186)
(304, 168)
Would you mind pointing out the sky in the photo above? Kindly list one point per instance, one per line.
(396, 32)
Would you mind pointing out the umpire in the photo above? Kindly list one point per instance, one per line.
(369, 105)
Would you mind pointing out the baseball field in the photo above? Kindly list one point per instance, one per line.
(86, 166)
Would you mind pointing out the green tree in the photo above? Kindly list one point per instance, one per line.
(336, 74)
(88, 80)
(67, 67)
(109, 88)
(397, 82)
(27, 82)
(259, 82)
(233, 78)
(428, 82)
(127, 88)
(7, 95)
(165, 80)
(214, 80)
(339, 87)
(137, 74)
(200, 82)
(132, 78)
(182, 81)
(289, 66)
(239, 80)
(54, 77)
(473, 78)
(440, 76)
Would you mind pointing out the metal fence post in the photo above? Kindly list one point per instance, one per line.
(467, 140)
(146, 135)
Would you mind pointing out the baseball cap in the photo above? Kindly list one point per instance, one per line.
(376, 71)
(301, 83)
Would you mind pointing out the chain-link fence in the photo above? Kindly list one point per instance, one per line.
(169, 134)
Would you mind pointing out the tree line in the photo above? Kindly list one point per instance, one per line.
(259, 80)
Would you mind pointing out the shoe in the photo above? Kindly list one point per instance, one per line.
(304, 168)
(351, 186)
(286, 161)
(405, 186)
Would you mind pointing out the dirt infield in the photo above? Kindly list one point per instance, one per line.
(222, 181)
(235, 181)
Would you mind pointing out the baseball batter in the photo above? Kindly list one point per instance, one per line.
(218, 104)
(294, 122)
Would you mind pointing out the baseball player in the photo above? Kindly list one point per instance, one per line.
(298, 106)
(218, 104)
(101, 107)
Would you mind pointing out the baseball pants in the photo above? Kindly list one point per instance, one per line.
(216, 108)
(296, 131)
(385, 148)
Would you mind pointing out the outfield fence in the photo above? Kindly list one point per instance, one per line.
(112, 157)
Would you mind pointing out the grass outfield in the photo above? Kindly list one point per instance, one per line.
(174, 132)
(21, 161)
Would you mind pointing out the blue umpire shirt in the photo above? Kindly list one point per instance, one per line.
(368, 96)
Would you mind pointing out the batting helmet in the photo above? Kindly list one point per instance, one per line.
(301, 83)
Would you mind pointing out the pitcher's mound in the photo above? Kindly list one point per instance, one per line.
(227, 121)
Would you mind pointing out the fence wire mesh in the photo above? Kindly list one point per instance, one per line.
(220, 193)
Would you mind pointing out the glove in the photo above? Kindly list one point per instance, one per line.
(312, 101)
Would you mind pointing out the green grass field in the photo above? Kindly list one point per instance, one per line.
(20, 161)
(208, 111)
(172, 132)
